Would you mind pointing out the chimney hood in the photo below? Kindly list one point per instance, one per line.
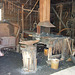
(45, 24)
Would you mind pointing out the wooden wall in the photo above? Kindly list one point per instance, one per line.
(6, 30)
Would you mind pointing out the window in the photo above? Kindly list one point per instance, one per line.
(0, 15)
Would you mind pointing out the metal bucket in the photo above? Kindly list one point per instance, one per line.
(54, 63)
(46, 52)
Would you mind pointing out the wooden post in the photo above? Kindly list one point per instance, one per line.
(14, 9)
(73, 6)
(2, 12)
(12, 6)
(60, 10)
(17, 38)
(18, 16)
(22, 20)
(49, 53)
(36, 64)
(28, 64)
(5, 1)
(30, 16)
(8, 7)
(63, 50)
(38, 29)
(73, 11)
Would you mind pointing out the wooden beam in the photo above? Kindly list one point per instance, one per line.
(49, 53)
(3, 11)
(32, 8)
(12, 6)
(21, 7)
(59, 17)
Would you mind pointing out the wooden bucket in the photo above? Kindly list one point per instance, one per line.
(54, 63)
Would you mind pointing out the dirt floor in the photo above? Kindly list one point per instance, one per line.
(11, 64)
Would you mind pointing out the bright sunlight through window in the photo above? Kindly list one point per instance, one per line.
(0, 14)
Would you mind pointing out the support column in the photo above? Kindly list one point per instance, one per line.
(30, 16)
(18, 16)
(73, 11)
(5, 1)
(3, 12)
(60, 10)
(22, 20)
